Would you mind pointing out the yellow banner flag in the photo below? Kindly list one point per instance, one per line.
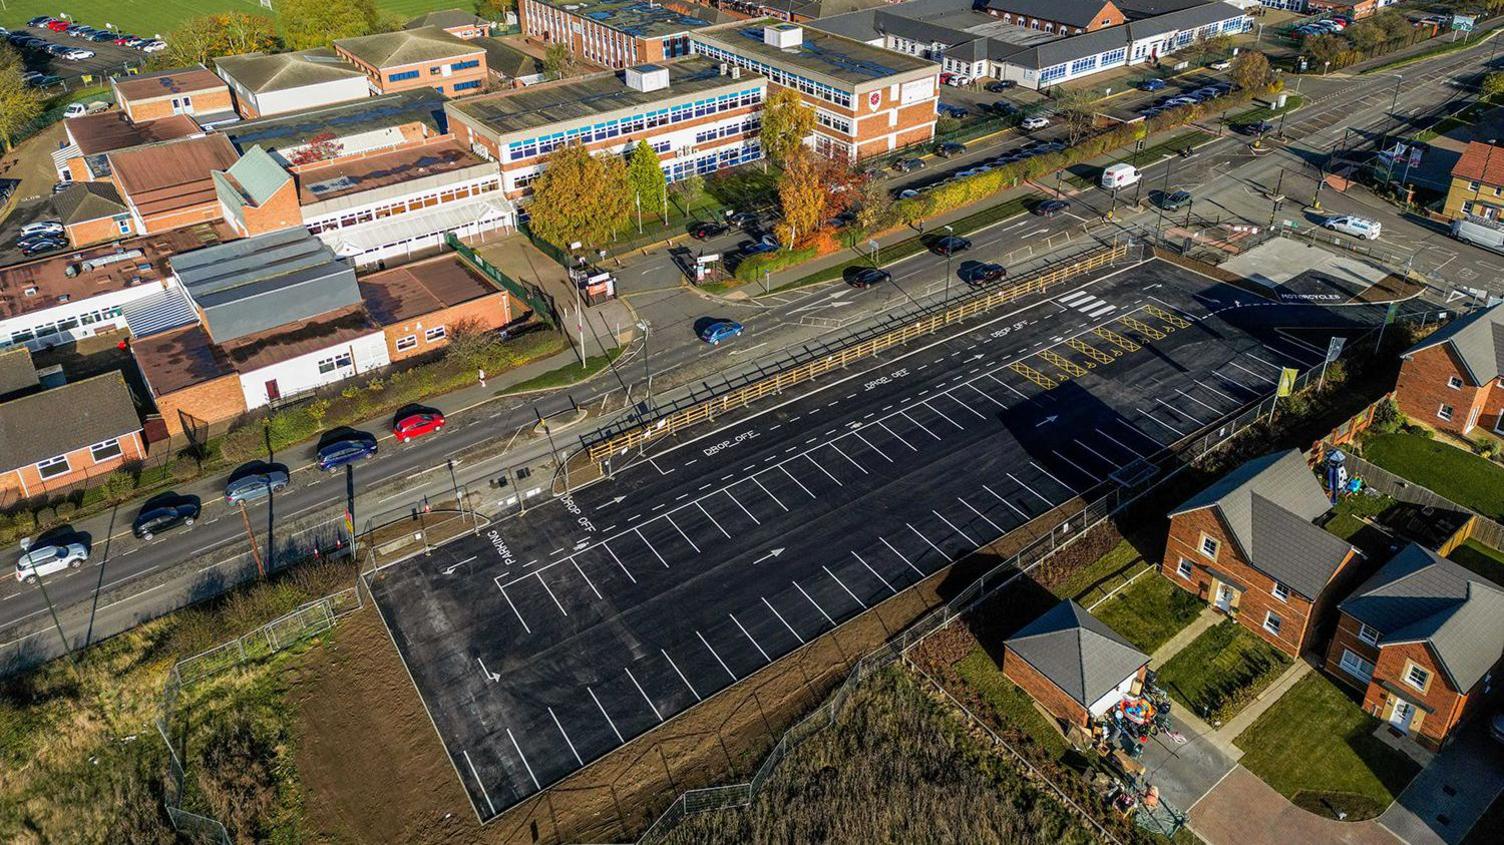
(1287, 381)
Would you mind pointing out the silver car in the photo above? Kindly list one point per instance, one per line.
(50, 558)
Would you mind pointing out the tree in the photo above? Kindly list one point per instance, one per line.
(1250, 70)
(495, 10)
(201, 39)
(19, 104)
(321, 147)
(802, 196)
(581, 197)
(645, 178)
(689, 186)
(786, 122)
(557, 60)
(1076, 108)
(315, 23)
(1493, 85)
(873, 204)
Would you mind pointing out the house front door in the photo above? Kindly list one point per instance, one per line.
(272, 393)
(1400, 717)
(1224, 598)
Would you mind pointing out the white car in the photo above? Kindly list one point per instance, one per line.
(75, 110)
(1220, 65)
(1358, 227)
(42, 227)
(154, 47)
(45, 560)
(1035, 122)
(79, 55)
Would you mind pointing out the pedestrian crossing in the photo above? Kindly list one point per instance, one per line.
(1087, 304)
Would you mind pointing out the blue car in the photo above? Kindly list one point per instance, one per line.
(720, 330)
(346, 449)
(1152, 85)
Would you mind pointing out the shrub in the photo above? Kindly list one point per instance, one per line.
(1387, 418)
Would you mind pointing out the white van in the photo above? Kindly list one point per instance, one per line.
(1358, 227)
(1120, 176)
(1478, 234)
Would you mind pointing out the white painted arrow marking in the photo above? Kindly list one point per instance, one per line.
(491, 677)
(769, 556)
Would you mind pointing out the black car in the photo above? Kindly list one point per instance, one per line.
(1050, 208)
(946, 149)
(706, 229)
(866, 277)
(908, 165)
(1175, 200)
(344, 447)
(1003, 107)
(37, 247)
(999, 86)
(981, 274)
(102, 35)
(1263, 127)
(950, 245)
(39, 20)
(743, 219)
(163, 513)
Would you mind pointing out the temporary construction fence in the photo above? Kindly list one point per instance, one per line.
(638, 435)
(1122, 489)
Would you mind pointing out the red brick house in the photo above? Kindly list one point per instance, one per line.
(426, 57)
(1073, 664)
(1062, 16)
(67, 436)
(1450, 380)
(1249, 545)
(1422, 640)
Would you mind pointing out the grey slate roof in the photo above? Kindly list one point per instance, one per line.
(1270, 505)
(255, 284)
(1136, 9)
(259, 174)
(406, 46)
(88, 201)
(47, 424)
(1477, 340)
(507, 60)
(1420, 597)
(445, 18)
(1077, 651)
(17, 372)
(263, 72)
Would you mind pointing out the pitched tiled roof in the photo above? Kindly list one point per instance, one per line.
(445, 18)
(1477, 340)
(1420, 597)
(262, 72)
(166, 177)
(1077, 651)
(1270, 504)
(47, 424)
(1481, 162)
(166, 83)
(406, 46)
(88, 201)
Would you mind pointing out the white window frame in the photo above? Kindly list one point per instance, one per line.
(1280, 591)
(113, 442)
(1213, 542)
(334, 363)
(43, 466)
(1368, 634)
(1185, 569)
(1354, 665)
(433, 334)
(1271, 616)
(1410, 677)
(1454, 382)
(1445, 412)
(405, 343)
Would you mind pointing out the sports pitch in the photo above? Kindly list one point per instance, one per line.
(145, 17)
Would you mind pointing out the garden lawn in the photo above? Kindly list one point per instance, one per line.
(1104, 575)
(1480, 559)
(1149, 611)
(1463, 477)
(1221, 671)
(1348, 522)
(1317, 748)
(160, 16)
(981, 672)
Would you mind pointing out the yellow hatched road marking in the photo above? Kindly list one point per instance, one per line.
(1173, 319)
(1090, 351)
(1032, 374)
(1142, 328)
(1063, 362)
(1112, 337)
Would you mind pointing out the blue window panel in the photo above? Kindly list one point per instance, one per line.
(398, 77)
(465, 65)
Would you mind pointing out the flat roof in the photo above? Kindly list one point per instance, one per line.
(575, 99)
(400, 294)
(172, 361)
(823, 53)
(641, 18)
(50, 281)
(166, 83)
(112, 130)
(343, 177)
(418, 105)
(289, 341)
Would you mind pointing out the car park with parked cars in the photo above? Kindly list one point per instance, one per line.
(1152, 85)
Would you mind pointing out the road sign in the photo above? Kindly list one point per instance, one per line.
(1463, 23)
(1334, 348)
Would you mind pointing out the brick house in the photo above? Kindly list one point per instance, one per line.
(427, 57)
(1073, 664)
(93, 212)
(186, 90)
(1060, 16)
(420, 305)
(456, 22)
(60, 438)
(1450, 380)
(169, 185)
(1477, 184)
(1249, 545)
(1421, 640)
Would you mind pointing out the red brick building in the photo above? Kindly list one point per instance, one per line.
(427, 57)
(191, 90)
(1450, 380)
(93, 212)
(73, 435)
(170, 185)
(618, 33)
(1422, 640)
(256, 195)
(1062, 16)
(1073, 664)
(421, 305)
(1249, 545)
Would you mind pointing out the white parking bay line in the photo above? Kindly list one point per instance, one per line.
(523, 757)
(681, 533)
(824, 470)
(771, 496)
(1007, 385)
(848, 458)
(550, 592)
(1197, 401)
(875, 573)
(717, 657)
(1161, 422)
(943, 416)
(813, 602)
(587, 579)
(901, 557)
(712, 519)
(796, 481)
(1139, 432)
(1016, 508)
(567, 741)
(927, 541)
(754, 519)
(1110, 461)
(896, 437)
(1125, 446)
(644, 694)
(986, 396)
(969, 409)
(604, 713)
(979, 513)
(1259, 376)
(1081, 469)
(843, 586)
(514, 608)
(749, 639)
(953, 527)
(905, 415)
(880, 452)
(1204, 386)
(1185, 414)
(781, 619)
(623, 566)
(680, 674)
(478, 781)
(1051, 477)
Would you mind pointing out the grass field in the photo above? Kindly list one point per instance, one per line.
(160, 16)
(1221, 671)
(1465, 478)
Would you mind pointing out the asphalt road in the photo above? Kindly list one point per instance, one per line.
(558, 635)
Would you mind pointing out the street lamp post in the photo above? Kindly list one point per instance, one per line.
(1394, 105)
(948, 251)
(51, 608)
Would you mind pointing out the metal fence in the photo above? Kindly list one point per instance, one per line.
(531, 295)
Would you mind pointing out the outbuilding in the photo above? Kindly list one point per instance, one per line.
(1073, 664)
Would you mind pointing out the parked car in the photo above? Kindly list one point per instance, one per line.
(78, 54)
(707, 229)
(1262, 127)
(49, 558)
(42, 227)
(39, 21)
(742, 219)
(1050, 208)
(1175, 200)
(75, 110)
(1222, 65)
(154, 46)
(948, 149)
(866, 277)
(908, 165)
(1035, 122)
(163, 513)
(907, 194)
(1358, 227)
(1479, 233)
(981, 274)
(41, 245)
(137, 41)
(718, 330)
(123, 39)
(102, 35)
(767, 243)
(1119, 175)
(344, 447)
(998, 86)
(57, 26)
(955, 112)
(259, 482)
(950, 245)
(409, 425)
(1152, 85)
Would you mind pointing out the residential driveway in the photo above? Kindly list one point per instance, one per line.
(1184, 772)
(1447, 798)
(1244, 810)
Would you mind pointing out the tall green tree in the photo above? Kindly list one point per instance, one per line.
(646, 180)
(1250, 70)
(202, 39)
(557, 60)
(19, 104)
(315, 23)
(581, 198)
(786, 122)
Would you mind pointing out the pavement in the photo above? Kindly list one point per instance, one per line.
(1442, 804)
(558, 635)
(1243, 809)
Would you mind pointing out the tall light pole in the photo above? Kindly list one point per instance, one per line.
(51, 608)
(1394, 105)
(948, 250)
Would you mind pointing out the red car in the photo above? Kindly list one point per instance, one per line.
(417, 424)
(57, 26)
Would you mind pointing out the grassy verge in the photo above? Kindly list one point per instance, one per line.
(1094, 581)
(1481, 560)
(1221, 671)
(1085, 176)
(1463, 477)
(1149, 611)
(981, 672)
(1439, 50)
(566, 375)
(1292, 102)
(1317, 748)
